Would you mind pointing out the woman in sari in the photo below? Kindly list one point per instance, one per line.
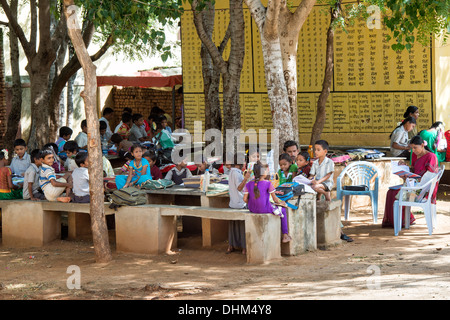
(422, 160)
(433, 137)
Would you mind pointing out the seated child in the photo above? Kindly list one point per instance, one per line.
(80, 177)
(322, 170)
(127, 123)
(8, 191)
(58, 164)
(287, 170)
(71, 149)
(303, 164)
(138, 172)
(81, 139)
(31, 189)
(154, 170)
(163, 140)
(21, 160)
(108, 170)
(64, 135)
(137, 132)
(179, 172)
(165, 126)
(52, 187)
(123, 146)
(201, 167)
(257, 194)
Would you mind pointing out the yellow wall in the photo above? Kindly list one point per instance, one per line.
(372, 85)
(442, 83)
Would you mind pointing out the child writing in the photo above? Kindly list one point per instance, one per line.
(80, 177)
(8, 191)
(154, 170)
(138, 171)
(257, 194)
(21, 161)
(52, 187)
(303, 164)
(179, 172)
(31, 189)
(71, 148)
(322, 170)
(287, 170)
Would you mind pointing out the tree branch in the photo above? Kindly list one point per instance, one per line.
(272, 15)
(301, 13)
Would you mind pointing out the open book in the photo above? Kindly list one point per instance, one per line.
(403, 170)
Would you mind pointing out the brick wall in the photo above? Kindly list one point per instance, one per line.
(3, 111)
(141, 100)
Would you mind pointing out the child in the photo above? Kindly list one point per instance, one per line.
(80, 177)
(81, 139)
(303, 164)
(257, 195)
(125, 110)
(58, 164)
(165, 126)
(21, 161)
(31, 189)
(52, 187)
(138, 172)
(64, 135)
(108, 115)
(179, 172)
(236, 183)
(154, 170)
(322, 170)
(122, 146)
(8, 191)
(201, 167)
(127, 123)
(287, 169)
(162, 138)
(137, 133)
(71, 149)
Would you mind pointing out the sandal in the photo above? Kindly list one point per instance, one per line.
(346, 238)
(230, 249)
(286, 239)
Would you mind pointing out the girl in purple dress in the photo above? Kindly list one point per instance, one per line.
(257, 195)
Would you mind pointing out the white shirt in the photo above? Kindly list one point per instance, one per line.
(108, 133)
(31, 175)
(80, 178)
(236, 197)
(400, 136)
(81, 139)
(322, 169)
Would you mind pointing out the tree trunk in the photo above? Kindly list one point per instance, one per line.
(16, 106)
(97, 210)
(327, 80)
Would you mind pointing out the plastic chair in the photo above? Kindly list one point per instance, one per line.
(428, 207)
(360, 173)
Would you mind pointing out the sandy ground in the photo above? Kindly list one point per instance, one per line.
(377, 265)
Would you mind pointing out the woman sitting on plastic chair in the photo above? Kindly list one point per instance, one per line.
(422, 160)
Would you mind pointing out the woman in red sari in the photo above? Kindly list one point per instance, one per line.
(422, 160)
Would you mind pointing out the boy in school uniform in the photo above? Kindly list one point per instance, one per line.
(64, 135)
(322, 170)
(52, 187)
(31, 189)
(179, 172)
(71, 148)
(21, 161)
(137, 132)
(80, 177)
(81, 139)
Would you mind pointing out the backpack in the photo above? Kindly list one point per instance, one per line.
(289, 190)
(157, 184)
(130, 196)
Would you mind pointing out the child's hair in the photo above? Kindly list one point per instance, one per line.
(35, 154)
(51, 145)
(103, 125)
(2, 154)
(162, 118)
(322, 143)
(45, 152)
(251, 150)
(19, 142)
(83, 124)
(107, 111)
(80, 158)
(65, 131)
(289, 143)
(305, 155)
(408, 119)
(136, 117)
(71, 146)
(116, 138)
(150, 154)
(135, 146)
(126, 117)
(257, 171)
(285, 156)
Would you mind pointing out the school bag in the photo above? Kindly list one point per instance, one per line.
(289, 190)
(130, 196)
(157, 184)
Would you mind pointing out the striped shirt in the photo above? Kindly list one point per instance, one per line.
(46, 174)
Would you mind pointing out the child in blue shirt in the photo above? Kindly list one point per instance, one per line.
(138, 171)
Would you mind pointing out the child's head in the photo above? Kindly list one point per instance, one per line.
(20, 147)
(116, 138)
(51, 146)
(181, 163)
(291, 148)
(260, 171)
(84, 126)
(35, 157)
(151, 157)
(203, 165)
(252, 154)
(163, 120)
(47, 157)
(303, 159)
(285, 161)
(4, 157)
(71, 148)
(108, 113)
(65, 133)
(127, 118)
(320, 149)
(138, 119)
(81, 159)
(136, 151)
(103, 127)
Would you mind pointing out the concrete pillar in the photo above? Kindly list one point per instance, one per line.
(262, 233)
(328, 223)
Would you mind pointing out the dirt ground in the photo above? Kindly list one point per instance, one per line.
(377, 265)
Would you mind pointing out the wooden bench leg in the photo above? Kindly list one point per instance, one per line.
(79, 225)
(263, 237)
(27, 225)
(214, 231)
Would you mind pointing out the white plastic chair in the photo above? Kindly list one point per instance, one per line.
(360, 173)
(428, 207)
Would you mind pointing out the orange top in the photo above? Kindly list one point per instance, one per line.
(5, 172)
